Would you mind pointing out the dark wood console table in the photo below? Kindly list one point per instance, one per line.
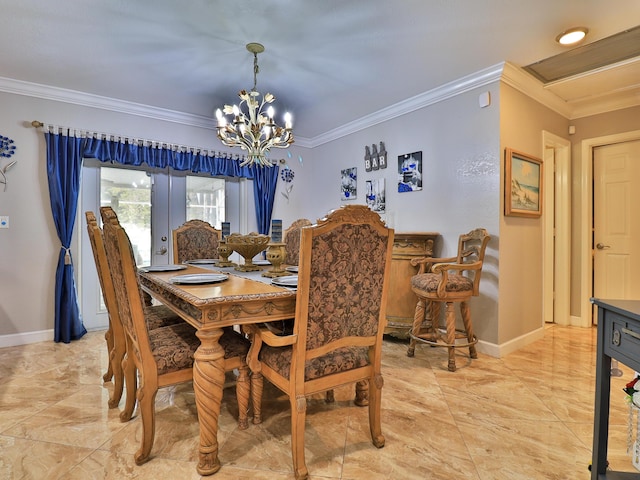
(618, 338)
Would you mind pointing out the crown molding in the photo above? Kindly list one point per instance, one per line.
(73, 97)
(507, 72)
(606, 104)
(448, 90)
(532, 87)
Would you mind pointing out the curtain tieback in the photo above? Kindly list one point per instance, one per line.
(67, 255)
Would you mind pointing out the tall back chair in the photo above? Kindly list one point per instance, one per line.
(155, 316)
(292, 241)
(163, 356)
(195, 239)
(449, 281)
(340, 318)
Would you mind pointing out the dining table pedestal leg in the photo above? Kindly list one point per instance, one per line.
(208, 382)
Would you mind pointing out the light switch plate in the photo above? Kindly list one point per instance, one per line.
(4, 222)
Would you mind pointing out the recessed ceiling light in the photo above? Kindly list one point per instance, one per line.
(572, 36)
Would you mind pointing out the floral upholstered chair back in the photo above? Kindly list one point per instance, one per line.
(342, 283)
(104, 276)
(124, 273)
(195, 239)
(292, 241)
(115, 337)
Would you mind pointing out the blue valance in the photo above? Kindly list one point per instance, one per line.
(163, 156)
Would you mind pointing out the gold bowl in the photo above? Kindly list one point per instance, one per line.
(248, 246)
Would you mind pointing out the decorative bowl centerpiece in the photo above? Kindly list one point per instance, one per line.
(248, 246)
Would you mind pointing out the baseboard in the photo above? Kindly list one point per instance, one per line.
(25, 338)
(579, 321)
(499, 351)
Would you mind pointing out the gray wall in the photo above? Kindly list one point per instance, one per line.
(522, 121)
(461, 181)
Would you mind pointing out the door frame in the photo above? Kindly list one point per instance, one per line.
(556, 248)
(586, 217)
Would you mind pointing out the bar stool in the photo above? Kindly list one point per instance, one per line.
(449, 281)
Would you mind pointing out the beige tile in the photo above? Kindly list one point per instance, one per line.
(27, 459)
(527, 416)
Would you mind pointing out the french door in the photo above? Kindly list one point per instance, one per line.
(149, 205)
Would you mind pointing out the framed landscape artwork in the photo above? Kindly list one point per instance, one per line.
(523, 184)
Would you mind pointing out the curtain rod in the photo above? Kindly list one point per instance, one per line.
(140, 141)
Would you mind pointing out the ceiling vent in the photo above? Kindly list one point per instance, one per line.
(610, 50)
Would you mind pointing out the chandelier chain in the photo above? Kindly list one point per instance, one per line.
(256, 70)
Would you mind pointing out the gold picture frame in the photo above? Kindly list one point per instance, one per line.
(522, 184)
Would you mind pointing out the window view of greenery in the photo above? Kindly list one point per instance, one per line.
(128, 192)
(206, 200)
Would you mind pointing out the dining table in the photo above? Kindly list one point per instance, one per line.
(241, 298)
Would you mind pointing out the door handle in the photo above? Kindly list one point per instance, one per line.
(162, 251)
(601, 246)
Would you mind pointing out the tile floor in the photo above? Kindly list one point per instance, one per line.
(526, 416)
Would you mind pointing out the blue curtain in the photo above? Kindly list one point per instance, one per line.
(265, 181)
(64, 163)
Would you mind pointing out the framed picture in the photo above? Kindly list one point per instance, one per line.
(410, 172)
(348, 184)
(522, 184)
(376, 200)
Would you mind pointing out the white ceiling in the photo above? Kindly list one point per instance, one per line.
(329, 62)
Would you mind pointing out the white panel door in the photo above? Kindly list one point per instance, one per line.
(616, 234)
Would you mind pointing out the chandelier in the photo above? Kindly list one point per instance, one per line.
(251, 128)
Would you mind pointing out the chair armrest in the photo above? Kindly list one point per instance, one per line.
(426, 262)
(444, 268)
(268, 337)
(459, 267)
(260, 334)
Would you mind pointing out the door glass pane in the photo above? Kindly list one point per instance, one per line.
(205, 199)
(128, 192)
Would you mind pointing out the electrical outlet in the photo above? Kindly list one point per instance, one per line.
(4, 222)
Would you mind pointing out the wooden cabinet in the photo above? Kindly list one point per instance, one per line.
(401, 302)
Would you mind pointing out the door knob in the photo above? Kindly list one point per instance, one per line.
(601, 246)
(162, 251)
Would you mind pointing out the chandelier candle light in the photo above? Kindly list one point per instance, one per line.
(253, 130)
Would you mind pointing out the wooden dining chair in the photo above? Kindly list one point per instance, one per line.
(448, 281)
(291, 241)
(340, 316)
(156, 316)
(162, 356)
(195, 239)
